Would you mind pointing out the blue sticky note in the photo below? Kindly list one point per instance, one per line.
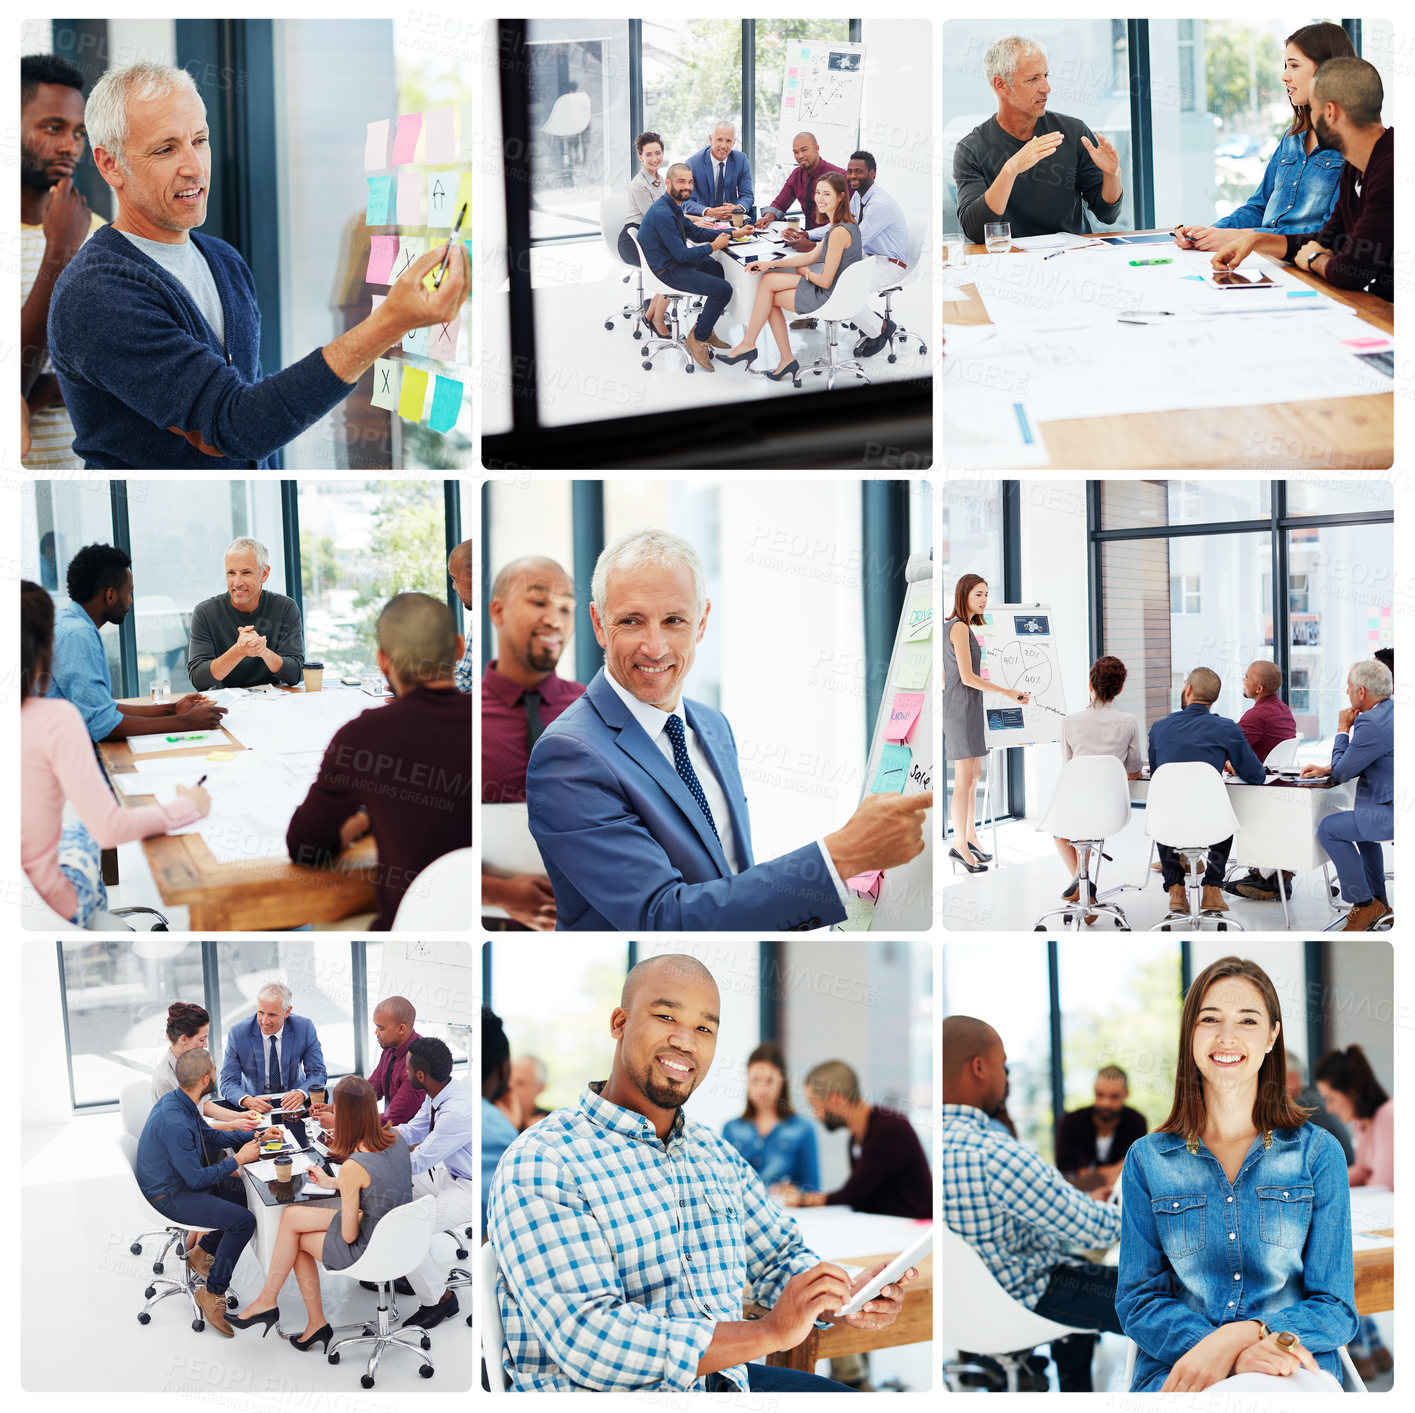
(1192, 277)
(446, 404)
(417, 341)
(892, 771)
(379, 192)
(1302, 294)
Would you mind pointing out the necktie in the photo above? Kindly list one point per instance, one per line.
(684, 766)
(272, 1070)
(534, 725)
(717, 193)
(431, 1117)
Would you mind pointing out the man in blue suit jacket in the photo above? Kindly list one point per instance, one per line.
(634, 795)
(1364, 751)
(722, 178)
(1194, 733)
(274, 1052)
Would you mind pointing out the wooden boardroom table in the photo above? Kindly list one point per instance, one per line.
(1317, 433)
(254, 895)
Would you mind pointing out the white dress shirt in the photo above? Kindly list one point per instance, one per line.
(450, 1143)
(279, 1039)
(883, 227)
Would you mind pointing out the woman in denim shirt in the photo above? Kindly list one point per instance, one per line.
(1298, 189)
(771, 1135)
(1235, 1215)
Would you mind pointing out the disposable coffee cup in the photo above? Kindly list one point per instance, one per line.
(738, 218)
(283, 1168)
(314, 676)
(316, 1094)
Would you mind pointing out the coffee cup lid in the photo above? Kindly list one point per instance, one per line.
(318, 665)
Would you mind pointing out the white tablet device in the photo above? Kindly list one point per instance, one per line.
(891, 1273)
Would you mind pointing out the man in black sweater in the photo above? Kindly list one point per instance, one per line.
(247, 636)
(1091, 1143)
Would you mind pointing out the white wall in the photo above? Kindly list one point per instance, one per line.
(897, 113)
(132, 40)
(44, 1095)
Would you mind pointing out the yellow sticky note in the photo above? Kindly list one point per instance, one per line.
(410, 400)
(220, 755)
(464, 194)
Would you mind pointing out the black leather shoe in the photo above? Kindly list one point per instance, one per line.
(426, 1316)
(972, 868)
(400, 1285)
(869, 347)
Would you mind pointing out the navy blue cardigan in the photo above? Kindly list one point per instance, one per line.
(145, 380)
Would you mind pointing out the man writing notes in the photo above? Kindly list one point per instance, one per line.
(248, 635)
(722, 178)
(1364, 751)
(626, 1234)
(274, 1052)
(1036, 170)
(1355, 250)
(636, 801)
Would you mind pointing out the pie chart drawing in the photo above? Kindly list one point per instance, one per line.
(1027, 667)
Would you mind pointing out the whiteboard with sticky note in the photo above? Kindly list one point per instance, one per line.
(1019, 651)
(901, 762)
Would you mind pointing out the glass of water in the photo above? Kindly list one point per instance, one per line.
(997, 236)
(955, 250)
(161, 689)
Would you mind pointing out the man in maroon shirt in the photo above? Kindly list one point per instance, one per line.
(532, 608)
(1266, 723)
(800, 186)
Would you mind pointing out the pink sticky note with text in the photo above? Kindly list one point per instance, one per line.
(439, 142)
(382, 252)
(443, 344)
(867, 882)
(903, 714)
(405, 143)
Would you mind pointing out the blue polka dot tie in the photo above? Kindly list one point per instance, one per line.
(684, 766)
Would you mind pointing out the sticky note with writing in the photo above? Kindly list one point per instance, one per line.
(379, 189)
(417, 341)
(376, 146)
(892, 771)
(440, 189)
(921, 778)
(859, 914)
(406, 142)
(913, 670)
(383, 251)
(386, 383)
(410, 199)
(410, 399)
(903, 714)
(410, 248)
(919, 613)
(867, 882)
(446, 404)
(443, 341)
(439, 143)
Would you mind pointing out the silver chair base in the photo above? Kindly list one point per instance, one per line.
(1012, 1364)
(1195, 918)
(135, 1247)
(900, 333)
(130, 912)
(415, 1340)
(1077, 913)
(830, 368)
(656, 345)
(159, 1289)
(1384, 923)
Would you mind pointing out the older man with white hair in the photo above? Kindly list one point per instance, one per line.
(274, 1054)
(1036, 170)
(247, 636)
(722, 177)
(171, 375)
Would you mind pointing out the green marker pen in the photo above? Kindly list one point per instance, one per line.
(1152, 262)
(188, 736)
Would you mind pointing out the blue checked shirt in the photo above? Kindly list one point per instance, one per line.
(464, 675)
(1015, 1210)
(620, 1254)
(79, 672)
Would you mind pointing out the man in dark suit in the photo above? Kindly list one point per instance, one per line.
(722, 178)
(274, 1052)
(634, 795)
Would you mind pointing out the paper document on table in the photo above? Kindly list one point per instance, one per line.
(251, 805)
(953, 295)
(1058, 240)
(265, 1169)
(507, 844)
(756, 250)
(176, 741)
(985, 424)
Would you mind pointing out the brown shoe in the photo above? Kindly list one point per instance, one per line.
(1211, 900)
(1178, 899)
(803, 323)
(1383, 1359)
(1157, 866)
(1360, 918)
(701, 356)
(713, 341)
(214, 1308)
(200, 1261)
(1365, 1366)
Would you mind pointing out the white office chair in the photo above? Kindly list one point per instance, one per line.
(493, 1336)
(134, 1105)
(399, 1243)
(1090, 803)
(986, 1319)
(1351, 1381)
(436, 901)
(1188, 809)
(38, 915)
(611, 222)
(190, 1283)
(898, 281)
(1282, 756)
(652, 286)
(850, 294)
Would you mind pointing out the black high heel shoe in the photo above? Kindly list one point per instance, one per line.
(746, 358)
(792, 370)
(321, 1337)
(977, 853)
(268, 1318)
(972, 868)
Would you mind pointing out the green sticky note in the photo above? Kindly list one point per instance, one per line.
(913, 672)
(859, 914)
(379, 190)
(919, 613)
(446, 404)
(410, 400)
(892, 771)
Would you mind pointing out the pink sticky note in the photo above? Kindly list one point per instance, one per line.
(790, 102)
(383, 250)
(791, 73)
(903, 714)
(443, 344)
(410, 198)
(409, 126)
(983, 672)
(867, 882)
(439, 144)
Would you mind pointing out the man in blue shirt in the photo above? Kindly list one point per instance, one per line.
(722, 178)
(100, 584)
(459, 571)
(176, 1175)
(664, 237)
(1364, 751)
(1194, 733)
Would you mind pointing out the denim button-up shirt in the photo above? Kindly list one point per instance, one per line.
(1297, 193)
(1197, 1251)
(787, 1154)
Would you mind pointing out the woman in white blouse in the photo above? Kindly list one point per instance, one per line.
(646, 187)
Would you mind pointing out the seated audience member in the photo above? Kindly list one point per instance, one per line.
(615, 1181)
(374, 1177)
(1354, 1095)
(528, 1081)
(393, 1020)
(459, 571)
(274, 1052)
(1386, 657)
(1016, 1210)
(646, 187)
(440, 1135)
(188, 1027)
(802, 188)
(1364, 751)
(722, 178)
(1266, 724)
(1091, 1143)
(174, 1175)
(402, 771)
(498, 1133)
(248, 636)
(1306, 1096)
(1355, 250)
(57, 765)
(779, 1143)
(100, 585)
(889, 1173)
(1194, 733)
(1099, 729)
(1039, 171)
(1299, 185)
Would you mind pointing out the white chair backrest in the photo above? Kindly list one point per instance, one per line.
(1282, 754)
(128, 1142)
(1129, 1375)
(984, 1318)
(493, 1337)
(891, 276)
(135, 1104)
(436, 901)
(852, 290)
(652, 283)
(1091, 799)
(612, 208)
(399, 1242)
(1187, 806)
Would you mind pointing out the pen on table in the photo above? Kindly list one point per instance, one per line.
(447, 254)
(1143, 316)
(200, 783)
